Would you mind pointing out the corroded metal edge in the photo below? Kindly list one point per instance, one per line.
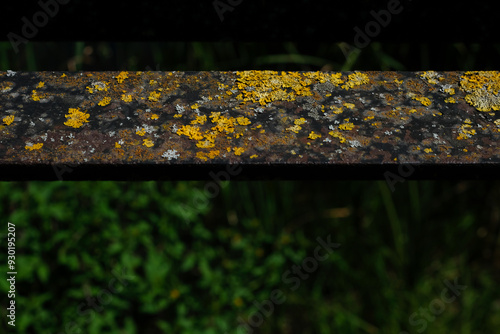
(260, 120)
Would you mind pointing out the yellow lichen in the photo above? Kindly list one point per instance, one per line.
(224, 124)
(238, 150)
(99, 86)
(105, 101)
(213, 154)
(200, 120)
(242, 120)
(356, 79)
(428, 150)
(449, 90)
(432, 77)
(40, 84)
(127, 97)
(202, 156)
(193, 132)
(422, 99)
(253, 156)
(268, 86)
(148, 143)
(299, 121)
(349, 105)
(336, 110)
(33, 146)
(336, 134)
(295, 128)
(346, 126)
(154, 96)
(450, 100)
(205, 144)
(141, 132)
(117, 145)
(8, 119)
(121, 77)
(313, 135)
(76, 118)
(154, 116)
(466, 130)
(35, 96)
(482, 88)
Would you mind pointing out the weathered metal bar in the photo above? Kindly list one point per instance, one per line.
(265, 124)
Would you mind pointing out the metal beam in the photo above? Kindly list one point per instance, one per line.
(265, 124)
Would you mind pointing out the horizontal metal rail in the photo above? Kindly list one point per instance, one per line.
(249, 124)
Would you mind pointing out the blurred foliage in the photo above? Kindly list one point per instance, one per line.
(225, 56)
(191, 264)
(164, 257)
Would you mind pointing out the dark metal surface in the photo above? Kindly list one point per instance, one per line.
(293, 125)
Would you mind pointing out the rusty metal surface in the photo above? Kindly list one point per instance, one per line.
(171, 125)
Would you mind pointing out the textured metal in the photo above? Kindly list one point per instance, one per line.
(182, 125)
